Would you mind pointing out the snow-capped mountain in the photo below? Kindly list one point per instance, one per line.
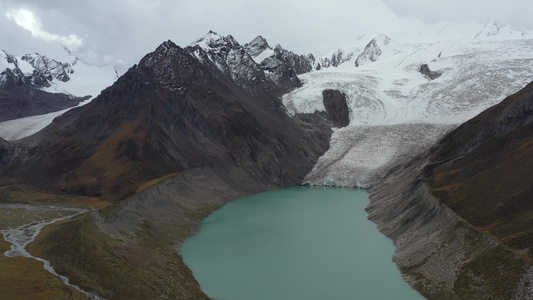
(254, 66)
(397, 109)
(37, 88)
(234, 60)
(73, 77)
(259, 49)
(378, 46)
(495, 29)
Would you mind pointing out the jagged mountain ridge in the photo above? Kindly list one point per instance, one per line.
(33, 69)
(277, 69)
(161, 103)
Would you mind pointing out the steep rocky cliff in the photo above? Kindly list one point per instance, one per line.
(336, 107)
(461, 213)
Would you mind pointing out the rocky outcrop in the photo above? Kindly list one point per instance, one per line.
(299, 63)
(257, 46)
(49, 68)
(336, 107)
(335, 59)
(494, 28)
(373, 50)
(424, 69)
(43, 70)
(275, 73)
(281, 69)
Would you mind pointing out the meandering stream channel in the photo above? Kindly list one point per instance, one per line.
(295, 243)
(21, 224)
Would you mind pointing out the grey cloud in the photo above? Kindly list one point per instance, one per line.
(122, 31)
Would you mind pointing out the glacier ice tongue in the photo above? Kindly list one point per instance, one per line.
(397, 112)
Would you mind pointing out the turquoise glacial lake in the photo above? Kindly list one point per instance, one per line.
(295, 243)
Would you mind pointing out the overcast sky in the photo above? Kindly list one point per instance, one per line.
(121, 32)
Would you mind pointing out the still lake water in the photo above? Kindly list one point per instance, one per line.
(295, 243)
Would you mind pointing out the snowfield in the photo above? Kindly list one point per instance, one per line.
(396, 111)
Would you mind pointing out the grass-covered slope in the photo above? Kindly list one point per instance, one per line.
(483, 171)
(460, 214)
(141, 267)
(25, 278)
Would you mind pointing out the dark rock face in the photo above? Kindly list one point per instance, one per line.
(424, 69)
(7, 152)
(275, 77)
(275, 74)
(280, 72)
(336, 107)
(299, 63)
(257, 46)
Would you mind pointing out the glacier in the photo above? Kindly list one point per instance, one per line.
(396, 111)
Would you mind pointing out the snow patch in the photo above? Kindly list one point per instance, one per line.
(265, 54)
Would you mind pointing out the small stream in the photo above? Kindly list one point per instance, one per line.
(33, 221)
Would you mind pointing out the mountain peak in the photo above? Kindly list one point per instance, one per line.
(257, 46)
(494, 28)
(213, 40)
(373, 50)
(165, 46)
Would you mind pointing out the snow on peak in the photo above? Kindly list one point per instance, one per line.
(374, 49)
(342, 55)
(257, 46)
(213, 40)
(263, 55)
(75, 78)
(50, 68)
(495, 29)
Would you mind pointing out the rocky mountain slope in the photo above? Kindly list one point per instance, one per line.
(460, 214)
(175, 137)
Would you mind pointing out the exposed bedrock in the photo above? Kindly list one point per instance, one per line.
(424, 69)
(336, 107)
